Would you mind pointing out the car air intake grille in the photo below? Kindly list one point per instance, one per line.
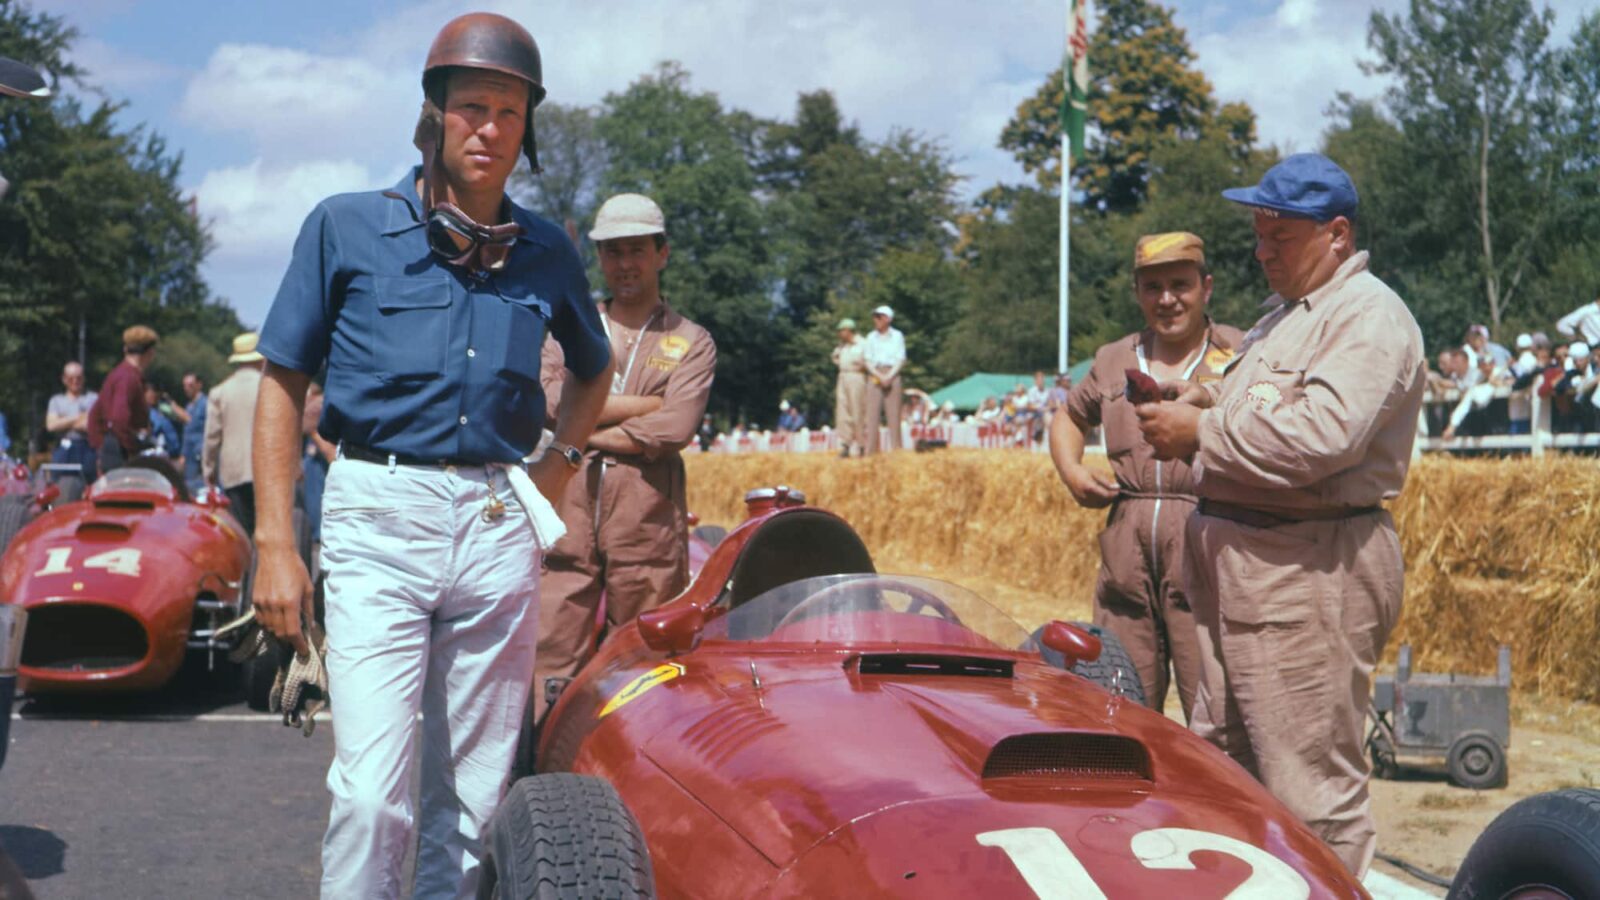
(1068, 755)
(82, 637)
(933, 664)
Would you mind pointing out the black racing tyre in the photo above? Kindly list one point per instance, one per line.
(16, 510)
(1477, 761)
(561, 836)
(72, 488)
(257, 673)
(1547, 841)
(524, 762)
(711, 534)
(1104, 671)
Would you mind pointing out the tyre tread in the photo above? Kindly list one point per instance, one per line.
(566, 836)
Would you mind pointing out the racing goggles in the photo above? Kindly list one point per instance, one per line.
(455, 237)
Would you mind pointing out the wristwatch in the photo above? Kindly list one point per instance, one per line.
(571, 454)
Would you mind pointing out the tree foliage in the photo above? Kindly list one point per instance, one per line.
(1144, 93)
(94, 236)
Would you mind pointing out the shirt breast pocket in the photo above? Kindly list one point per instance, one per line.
(1285, 371)
(522, 338)
(412, 328)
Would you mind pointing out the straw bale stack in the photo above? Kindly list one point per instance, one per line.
(1501, 551)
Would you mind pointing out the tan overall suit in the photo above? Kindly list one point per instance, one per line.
(1295, 570)
(626, 516)
(850, 395)
(1140, 596)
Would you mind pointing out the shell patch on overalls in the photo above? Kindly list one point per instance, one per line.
(669, 353)
(1264, 394)
(1214, 365)
(637, 687)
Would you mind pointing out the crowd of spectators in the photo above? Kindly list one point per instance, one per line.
(1482, 388)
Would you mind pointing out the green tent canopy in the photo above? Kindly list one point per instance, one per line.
(969, 393)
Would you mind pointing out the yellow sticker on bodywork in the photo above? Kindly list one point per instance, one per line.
(659, 675)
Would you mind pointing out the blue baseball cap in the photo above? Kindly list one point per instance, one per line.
(1304, 186)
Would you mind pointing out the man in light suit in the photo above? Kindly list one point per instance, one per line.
(230, 424)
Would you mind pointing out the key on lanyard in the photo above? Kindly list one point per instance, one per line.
(494, 509)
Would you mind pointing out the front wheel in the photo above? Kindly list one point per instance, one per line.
(1114, 670)
(560, 836)
(1547, 845)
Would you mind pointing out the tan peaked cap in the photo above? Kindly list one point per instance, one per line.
(1173, 246)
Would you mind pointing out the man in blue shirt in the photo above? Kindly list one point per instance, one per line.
(194, 431)
(428, 304)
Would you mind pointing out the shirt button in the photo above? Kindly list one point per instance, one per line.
(463, 420)
(471, 352)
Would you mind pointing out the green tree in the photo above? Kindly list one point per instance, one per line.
(573, 157)
(686, 152)
(94, 235)
(1143, 94)
(1476, 93)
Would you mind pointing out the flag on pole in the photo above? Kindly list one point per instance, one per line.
(1075, 72)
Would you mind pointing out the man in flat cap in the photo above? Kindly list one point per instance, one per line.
(1294, 568)
(120, 419)
(1140, 596)
(850, 392)
(625, 508)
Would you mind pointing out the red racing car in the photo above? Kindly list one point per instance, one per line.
(797, 725)
(121, 587)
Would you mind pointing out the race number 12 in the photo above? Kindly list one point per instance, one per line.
(1054, 873)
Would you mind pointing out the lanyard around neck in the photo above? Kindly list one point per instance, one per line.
(619, 383)
(1144, 365)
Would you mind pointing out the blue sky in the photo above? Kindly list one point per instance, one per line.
(277, 104)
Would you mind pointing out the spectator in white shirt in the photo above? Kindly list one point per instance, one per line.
(1490, 377)
(886, 356)
(1582, 323)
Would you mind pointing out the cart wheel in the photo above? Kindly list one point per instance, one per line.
(1547, 845)
(1477, 761)
(1384, 764)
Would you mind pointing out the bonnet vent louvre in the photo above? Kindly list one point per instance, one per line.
(1068, 755)
(933, 664)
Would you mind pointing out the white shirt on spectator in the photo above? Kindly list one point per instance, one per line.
(1479, 395)
(1583, 321)
(886, 348)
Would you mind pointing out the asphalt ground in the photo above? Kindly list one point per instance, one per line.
(179, 794)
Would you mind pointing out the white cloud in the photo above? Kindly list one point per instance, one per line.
(255, 211)
(107, 65)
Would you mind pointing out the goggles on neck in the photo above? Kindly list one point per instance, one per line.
(460, 241)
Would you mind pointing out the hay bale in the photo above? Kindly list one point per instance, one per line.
(1497, 551)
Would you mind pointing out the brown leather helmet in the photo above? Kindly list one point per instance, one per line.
(492, 42)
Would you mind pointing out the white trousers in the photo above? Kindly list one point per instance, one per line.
(431, 608)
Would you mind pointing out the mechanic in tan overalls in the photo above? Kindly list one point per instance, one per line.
(1140, 595)
(627, 523)
(1295, 572)
(850, 394)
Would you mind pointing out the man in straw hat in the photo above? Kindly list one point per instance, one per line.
(428, 304)
(1140, 596)
(850, 393)
(1294, 566)
(225, 456)
(120, 419)
(626, 511)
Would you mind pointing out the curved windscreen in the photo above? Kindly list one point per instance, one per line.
(848, 610)
(142, 480)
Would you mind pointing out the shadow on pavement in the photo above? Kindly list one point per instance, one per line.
(36, 852)
(192, 692)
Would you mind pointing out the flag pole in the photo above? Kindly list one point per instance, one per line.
(1066, 243)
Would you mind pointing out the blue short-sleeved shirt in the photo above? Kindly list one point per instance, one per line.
(426, 359)
(194, 439)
